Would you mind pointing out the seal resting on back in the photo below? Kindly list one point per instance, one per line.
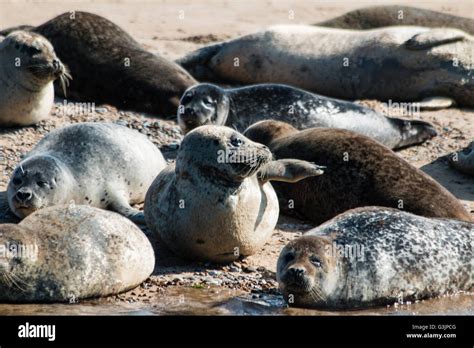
(395, 63)
(65, 253)
(376, 256)
(359, 172)
(240, 107)
(386, 16)
(28, 67)
(100, 164)
(216, 203)
(109, 66)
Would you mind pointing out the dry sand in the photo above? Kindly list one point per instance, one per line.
(161, 28)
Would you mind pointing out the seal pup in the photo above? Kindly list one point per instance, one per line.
(66, 253)
(100, 164)
(28, 67)
(109, 66)
(464, 160)
(240, 107)
(360, 172)
(385, 16)
(216, 203)
(409, 64)
(375, 256)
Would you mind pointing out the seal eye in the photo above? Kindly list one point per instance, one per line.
(17, 181)
(289, 257)
(315, 261)
(42, 183)
(33, 50)
(236, 142)
(208, 101)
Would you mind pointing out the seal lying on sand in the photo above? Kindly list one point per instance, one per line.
(109, 66)
(376, 256)
(464, 160)
(66, 253)
(240, 107)
(386, 16)
(28, 67)
(216, 204)
(101, 164)
(360, 172)
(409, 64)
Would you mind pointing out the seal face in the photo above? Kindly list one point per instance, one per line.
(359, 172)
(211, 205)
(28, 67)
(205, 104)
(376, 256)
(109, 66)
(65, 253)
(103, 165)
(343, 64)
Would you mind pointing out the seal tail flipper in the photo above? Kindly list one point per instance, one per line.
(435, 37)
(413, 132)
(7, 31)
(436, 103)
(196, 63)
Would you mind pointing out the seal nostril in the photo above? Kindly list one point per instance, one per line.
(56, 64)
(24, 196)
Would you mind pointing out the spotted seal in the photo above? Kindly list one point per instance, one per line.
(376, 256)
(101, 164)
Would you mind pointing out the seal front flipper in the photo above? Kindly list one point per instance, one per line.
(289, 170)
(121, 206)
(435, 37)
(413, 132)
(436, 103)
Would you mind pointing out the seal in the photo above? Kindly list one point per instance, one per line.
(360, 172)
(109, 66)
(101, 164)
(216, 203)
(66, 253)
(464, 160)
(409, 64)
(28, 67)
(375, 256)
(240, 107)
(386, 16)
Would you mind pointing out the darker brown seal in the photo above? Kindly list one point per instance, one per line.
(360, 172)
(109, 66)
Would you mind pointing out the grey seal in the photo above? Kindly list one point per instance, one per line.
(101, 164)
(240, 107)
(464, 160)
(376, 256)
(66, 253)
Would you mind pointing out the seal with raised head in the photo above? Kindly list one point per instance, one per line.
(28, 67)
(240, 107)
(109, 66)
(66, 253)
(376, 256)
(101, 164)
(216, 203)
(408, 64)
(386, 16)
(464, 160)
(360, 172)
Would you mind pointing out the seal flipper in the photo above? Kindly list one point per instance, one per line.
(435, 37)
(413, 132)
(288, 170)
(436, 103)
(121, 206)
(196, 63)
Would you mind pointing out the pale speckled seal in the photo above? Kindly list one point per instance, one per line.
(66, 253)
(386, 16)
(101, 164)
(28, 67)
(216, 203)
(376, 256)
(240, 107)
(395, 63)
(360, 172)
(464, 160)
(109, 66)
